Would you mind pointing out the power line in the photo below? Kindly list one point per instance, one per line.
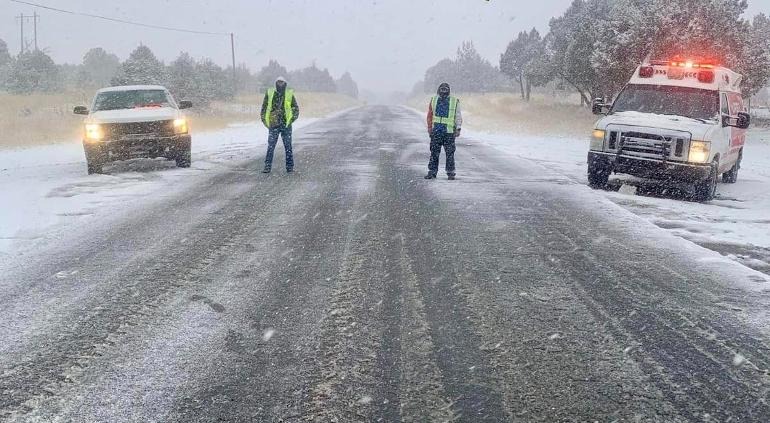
(123, 21)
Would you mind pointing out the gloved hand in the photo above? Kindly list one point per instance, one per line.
(457, 133)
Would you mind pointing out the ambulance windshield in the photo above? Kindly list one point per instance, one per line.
(694, 103)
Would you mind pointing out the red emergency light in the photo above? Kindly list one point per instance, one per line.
(692, 63)
(706, 76)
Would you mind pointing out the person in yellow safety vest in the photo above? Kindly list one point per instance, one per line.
(444, 123)
(279, 111)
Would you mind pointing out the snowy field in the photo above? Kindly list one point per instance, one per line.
(46, 188)
(736, 224)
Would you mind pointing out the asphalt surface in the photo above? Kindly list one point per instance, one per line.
(354, 290)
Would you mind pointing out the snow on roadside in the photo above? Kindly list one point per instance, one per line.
(46, 187)
(736, 224)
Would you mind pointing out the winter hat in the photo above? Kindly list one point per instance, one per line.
(281, 79)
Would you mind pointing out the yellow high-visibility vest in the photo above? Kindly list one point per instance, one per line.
(449, 121)
(288, 98)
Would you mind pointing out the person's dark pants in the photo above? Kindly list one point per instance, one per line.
(438, 140)
(272, 140)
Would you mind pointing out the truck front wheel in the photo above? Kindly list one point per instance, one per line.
(731, 176)
(94, 159)
(598, 175)
(95, 168)
(706, 189)
(183, 158)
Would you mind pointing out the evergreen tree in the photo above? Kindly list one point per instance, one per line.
(99, 67)
(469, 72)
(183, 82)
(755, 64)
(346, 85)
(5, 56)
(521, 62)
(141, 67)
(33, 71)
(6, 61)
(312, 78)
(268, 74)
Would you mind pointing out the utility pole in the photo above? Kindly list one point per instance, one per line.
(23, 18)
(235, 75)
(21, 21)
(34, 24)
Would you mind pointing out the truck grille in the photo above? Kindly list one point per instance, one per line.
(161, 128)
(648, 145)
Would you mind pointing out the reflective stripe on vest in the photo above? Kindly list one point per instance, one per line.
(449, 121)
(288, 113)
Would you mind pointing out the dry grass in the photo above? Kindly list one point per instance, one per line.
(507, 112)
(38, 119)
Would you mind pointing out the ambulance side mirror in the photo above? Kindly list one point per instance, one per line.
(742, 121)
(598, 107)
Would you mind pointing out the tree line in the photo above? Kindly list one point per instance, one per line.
(199, 80)
(595, 46)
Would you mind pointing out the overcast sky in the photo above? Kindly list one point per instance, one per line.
(385, 44)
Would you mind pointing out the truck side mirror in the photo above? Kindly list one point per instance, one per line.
(598, 107)
(743, 121)
(185, 104)
(80, 110)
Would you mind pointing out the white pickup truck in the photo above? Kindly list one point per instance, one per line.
(135, 121)
(680, 121)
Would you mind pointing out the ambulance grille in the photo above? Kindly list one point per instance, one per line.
(647, 145)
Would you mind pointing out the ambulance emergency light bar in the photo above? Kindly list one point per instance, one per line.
(677, 69)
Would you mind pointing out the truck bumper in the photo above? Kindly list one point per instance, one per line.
(131, 148)
(649, 168)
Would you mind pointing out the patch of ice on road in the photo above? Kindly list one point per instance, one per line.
(268, 334)
(554, 336)
(365, 400)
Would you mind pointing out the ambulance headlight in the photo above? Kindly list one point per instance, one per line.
(597, 139)
(699, 151)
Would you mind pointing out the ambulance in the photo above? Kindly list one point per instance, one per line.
(681, 121)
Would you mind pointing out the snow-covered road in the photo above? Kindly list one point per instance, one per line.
(355, 290)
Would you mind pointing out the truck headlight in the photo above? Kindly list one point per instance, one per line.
(94, 132)
(180, 126)
(699, 151)
(597, 139)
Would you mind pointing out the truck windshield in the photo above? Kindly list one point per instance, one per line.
(116, 100)
(694, 103)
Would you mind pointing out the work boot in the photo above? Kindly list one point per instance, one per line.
(266, 170)
(289, 170)
(430, 176)
(451, 176)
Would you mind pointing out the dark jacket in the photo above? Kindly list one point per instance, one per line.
(277, 114)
